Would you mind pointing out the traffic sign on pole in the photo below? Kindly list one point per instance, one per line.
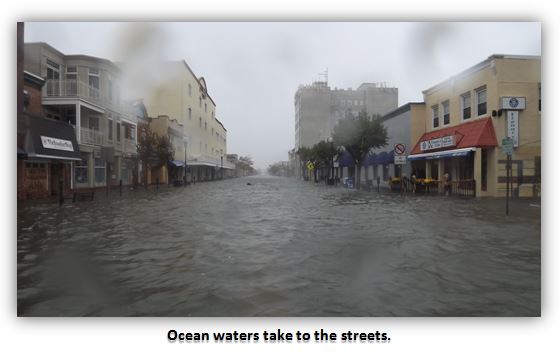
(399, 149)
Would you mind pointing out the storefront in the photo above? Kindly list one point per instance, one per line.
(462, 152)
(51, 148)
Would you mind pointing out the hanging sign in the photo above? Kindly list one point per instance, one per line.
(513, 127)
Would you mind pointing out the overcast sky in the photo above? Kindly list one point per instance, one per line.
(252, 70)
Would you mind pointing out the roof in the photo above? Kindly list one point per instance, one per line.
(398, 111)
(477, 133)
(73, 56)
(481, 65)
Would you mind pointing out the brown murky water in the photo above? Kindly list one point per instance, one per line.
(279, 247)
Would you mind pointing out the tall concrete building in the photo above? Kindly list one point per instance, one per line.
(318, 108)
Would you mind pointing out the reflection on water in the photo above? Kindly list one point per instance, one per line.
(278, 247)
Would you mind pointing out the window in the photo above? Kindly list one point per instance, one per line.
(205, 147)
(81, 171)
(539, 96)
(190, 113)
(212, 131)
(200, 122)
(466, 105)
(190, 90)
(445, 106)
(72, 80)
(118, 131)
(213, 112)
(205, 126)
(53, 76)
(99, 171)
(206, 107)
(93, 81)
(93, 123)
(435, 116)
(110, 89)
(110, 128)
(481, 102)
(199, 101)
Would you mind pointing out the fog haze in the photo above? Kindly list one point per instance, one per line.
(252, 70)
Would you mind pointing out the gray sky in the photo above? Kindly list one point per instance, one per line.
(252, 70)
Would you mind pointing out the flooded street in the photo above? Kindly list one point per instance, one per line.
(278, 247)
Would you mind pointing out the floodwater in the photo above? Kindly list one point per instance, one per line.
(278, 247)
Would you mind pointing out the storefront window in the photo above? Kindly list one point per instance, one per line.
(81, 171)
(125, 172)
(100, 172)
(484, 167)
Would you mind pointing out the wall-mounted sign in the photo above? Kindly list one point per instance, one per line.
(507, 146)
(438, 143)
(513, 126)
(513, 103)
(57, 144)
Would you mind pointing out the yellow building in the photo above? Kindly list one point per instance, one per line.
(183, 96)
(468, 116)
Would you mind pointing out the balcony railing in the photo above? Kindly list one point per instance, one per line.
(89, 136)
(74, 88)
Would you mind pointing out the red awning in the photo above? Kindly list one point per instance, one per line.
(478, 133)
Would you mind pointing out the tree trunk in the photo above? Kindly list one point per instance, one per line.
(358, 176)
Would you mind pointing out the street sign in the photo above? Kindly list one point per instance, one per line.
(399, 149)
(507, 145)
(400, 159)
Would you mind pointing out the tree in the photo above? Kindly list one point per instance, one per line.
(358, 135)
(147, 151)
(245, 164)
(305, 155)
(323, 153)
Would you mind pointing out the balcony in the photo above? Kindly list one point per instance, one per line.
(76, 89)
(72, 89)
(93, 137)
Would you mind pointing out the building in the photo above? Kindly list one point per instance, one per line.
(85, 92)
(163, 126)
(318, 108)
(46, 147)
(404, 126)
(184, 97)
(467, 117)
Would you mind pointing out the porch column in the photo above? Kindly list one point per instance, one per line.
(477, 168)
(78, 122)
(440, 174)
(91, 170)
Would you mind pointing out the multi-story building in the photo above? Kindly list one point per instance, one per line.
(467, 117)
(318, 108)
(184, 96)
(85, 92)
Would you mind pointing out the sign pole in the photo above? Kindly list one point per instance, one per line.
(508, 171)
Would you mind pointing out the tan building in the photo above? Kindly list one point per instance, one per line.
(184, 97)
(468, 115)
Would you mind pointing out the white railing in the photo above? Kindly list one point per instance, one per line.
(71, 88)
(88, 136)
(74, 88)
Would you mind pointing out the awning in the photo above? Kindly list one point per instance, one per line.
(178, 163)
(442, 154)
(477, 133)
(346, 159)
(51, 139)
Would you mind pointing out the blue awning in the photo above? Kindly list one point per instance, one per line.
(346, 159)
(178, 163)
(369, 159)
(442, 154)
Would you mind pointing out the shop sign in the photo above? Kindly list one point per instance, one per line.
(513, 127)
(400, 159)
(513, 103)
(438, 143)
(57, 144)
